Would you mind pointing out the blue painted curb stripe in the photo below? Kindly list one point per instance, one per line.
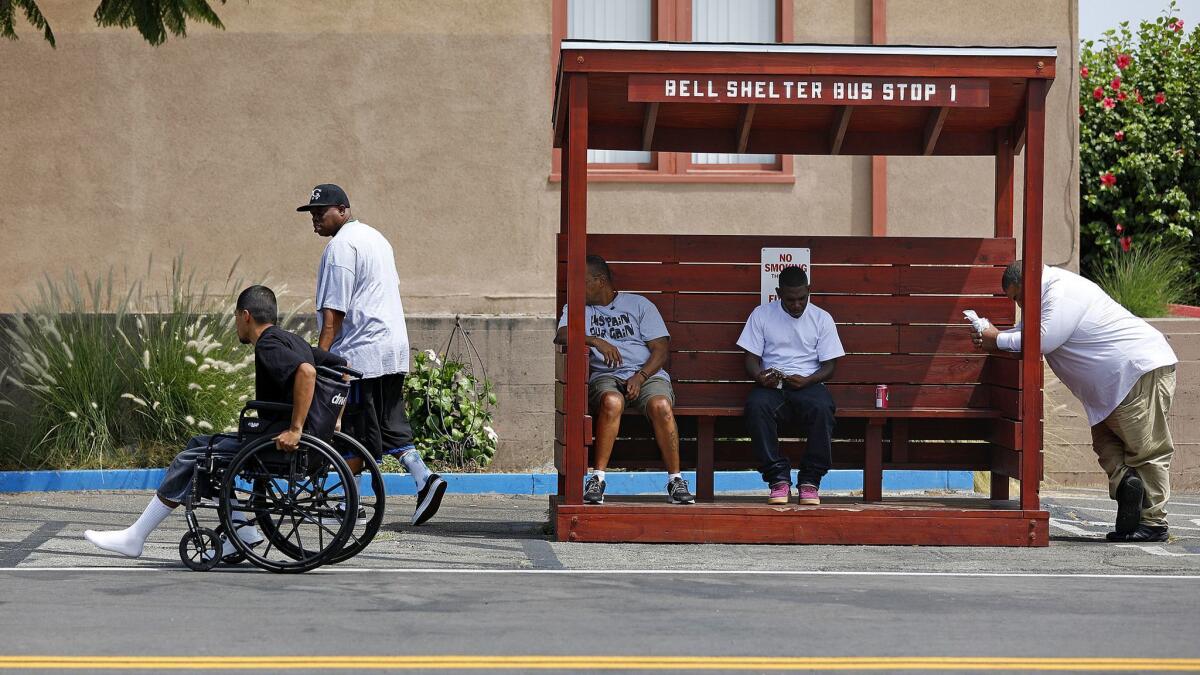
(496, 483)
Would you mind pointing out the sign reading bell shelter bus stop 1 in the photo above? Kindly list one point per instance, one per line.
(952, 92)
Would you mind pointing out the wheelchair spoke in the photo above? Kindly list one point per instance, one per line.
(271, 540)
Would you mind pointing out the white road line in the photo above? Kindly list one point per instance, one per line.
(619, 572)
(1067, 527)
(1158, 550)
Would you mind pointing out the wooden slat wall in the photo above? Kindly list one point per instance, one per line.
(901, 325)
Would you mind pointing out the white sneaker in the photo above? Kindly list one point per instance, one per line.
(249, 535)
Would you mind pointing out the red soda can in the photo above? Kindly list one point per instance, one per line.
(881, 396)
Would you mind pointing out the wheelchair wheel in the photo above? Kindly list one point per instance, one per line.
(303, 502)
(370, 506)
(200, 549)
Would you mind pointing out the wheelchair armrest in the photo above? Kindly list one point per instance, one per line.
(336, 372)
(269, 406)
(216, 437)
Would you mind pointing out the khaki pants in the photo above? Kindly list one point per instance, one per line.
(1135, 436)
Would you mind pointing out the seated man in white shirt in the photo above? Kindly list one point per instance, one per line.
(1123, 371)
(791, 349)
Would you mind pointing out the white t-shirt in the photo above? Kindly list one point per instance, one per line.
(1093, 344)
(628, 323)
(357, 276)
(789, 345)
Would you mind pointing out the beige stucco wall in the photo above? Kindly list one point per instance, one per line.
(962, 187)
(434, 117)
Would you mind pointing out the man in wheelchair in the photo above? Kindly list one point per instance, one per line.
(285, 370)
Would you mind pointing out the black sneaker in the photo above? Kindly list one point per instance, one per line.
(1141, 534)
(593, 490)
(1129, 502)
(340, 508)
(429, 498)
(677, 492)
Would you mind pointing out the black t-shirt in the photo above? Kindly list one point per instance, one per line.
(277, 355)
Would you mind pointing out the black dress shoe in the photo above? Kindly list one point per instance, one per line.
(1140, 534)
(1129, 502)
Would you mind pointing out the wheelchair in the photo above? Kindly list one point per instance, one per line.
(306, 503)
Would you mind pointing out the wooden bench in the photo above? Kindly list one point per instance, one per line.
(951, 407)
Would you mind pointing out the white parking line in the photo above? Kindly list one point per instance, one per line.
(1092, 508)
(1158, 550)
(1067, 527)
(1056, 498)
(620, 572)
(1100, 523)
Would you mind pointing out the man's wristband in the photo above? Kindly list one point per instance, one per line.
(645, 377)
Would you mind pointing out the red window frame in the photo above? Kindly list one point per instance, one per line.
(671, 20)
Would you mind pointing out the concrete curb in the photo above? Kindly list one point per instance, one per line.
(495, 483)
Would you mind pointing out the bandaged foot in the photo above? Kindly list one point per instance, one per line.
(129, 541)
(125, 542)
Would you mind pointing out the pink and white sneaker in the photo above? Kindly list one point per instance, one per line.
(809, 495)
(780, 493)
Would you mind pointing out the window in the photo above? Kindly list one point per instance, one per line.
(682, 21)
(612, 20)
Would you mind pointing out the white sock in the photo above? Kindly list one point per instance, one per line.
(129, 541)
(598, 473)
(674, 476)
(415, 467)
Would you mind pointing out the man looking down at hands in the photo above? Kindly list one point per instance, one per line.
(791, 349)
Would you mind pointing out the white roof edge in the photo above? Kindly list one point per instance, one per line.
(767, 48)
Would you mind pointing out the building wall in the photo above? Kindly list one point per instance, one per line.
(435, 118)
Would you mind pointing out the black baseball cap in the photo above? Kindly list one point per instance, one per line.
(326, 194)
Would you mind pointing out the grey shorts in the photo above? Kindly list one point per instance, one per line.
(655, 386)
(177, 484)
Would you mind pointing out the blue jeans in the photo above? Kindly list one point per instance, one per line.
(813, 408)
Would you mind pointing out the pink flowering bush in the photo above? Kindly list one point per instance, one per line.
(1139, 106)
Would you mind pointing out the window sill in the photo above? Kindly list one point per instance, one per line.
(762, 177)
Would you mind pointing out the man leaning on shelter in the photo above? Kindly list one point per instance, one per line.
(1123, 371)
(628, 344)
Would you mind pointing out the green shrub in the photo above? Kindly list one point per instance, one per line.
(189, 374)
(103, 380)
(450, 412)
(1138, 143)
(99, 380)
(1146, 279)
(65, 377)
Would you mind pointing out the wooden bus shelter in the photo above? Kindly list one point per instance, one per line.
(898, 301)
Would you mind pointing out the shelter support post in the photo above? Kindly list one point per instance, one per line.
(1031, 340)
(574, 194)
(1004, 183)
